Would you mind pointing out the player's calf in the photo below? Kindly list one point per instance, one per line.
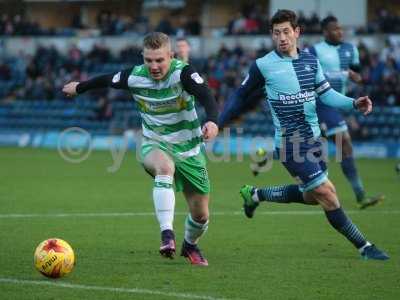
(343, 224)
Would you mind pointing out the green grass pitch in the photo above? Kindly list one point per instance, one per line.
(285, 252)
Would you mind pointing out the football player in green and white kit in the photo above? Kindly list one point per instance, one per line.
(164, 89)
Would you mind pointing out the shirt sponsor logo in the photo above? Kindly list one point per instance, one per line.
(161, 104)
(299, 97)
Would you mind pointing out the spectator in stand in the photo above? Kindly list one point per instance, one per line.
(239, 25)
(103, 109)
(165, 26)
(182, 49)
(5, 72)
(193, 26)
(224, 70)
(252, 25)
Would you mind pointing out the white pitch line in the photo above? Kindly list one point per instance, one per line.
(216, 213)
(107, 289)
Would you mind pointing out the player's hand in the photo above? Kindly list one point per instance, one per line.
(364, 104)
(210, 131)
(70, 89)
(354, 76)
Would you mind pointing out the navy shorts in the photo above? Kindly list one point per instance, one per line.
(308, 167)
(330, 119)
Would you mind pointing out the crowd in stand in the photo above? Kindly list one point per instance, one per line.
(385, 21)
(380, 72)
(107, 23)
(112, 24)
(41, 76)
(251, 19)
(17, 25)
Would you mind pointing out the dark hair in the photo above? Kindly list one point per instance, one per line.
(284, 15)
(325, 22)
(155, 40)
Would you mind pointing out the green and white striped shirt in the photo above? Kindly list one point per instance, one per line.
(167, 110)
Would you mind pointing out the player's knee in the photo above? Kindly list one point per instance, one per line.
(325, 194)
(320, 192)
(165, 168)
(325, 190)
(200, 215)
(201, 218)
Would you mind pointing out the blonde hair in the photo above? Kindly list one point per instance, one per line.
(156, 40)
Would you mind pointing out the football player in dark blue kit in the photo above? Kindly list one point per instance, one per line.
(293, 79)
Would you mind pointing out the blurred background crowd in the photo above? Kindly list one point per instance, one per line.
(40, 74)
(250, 19)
